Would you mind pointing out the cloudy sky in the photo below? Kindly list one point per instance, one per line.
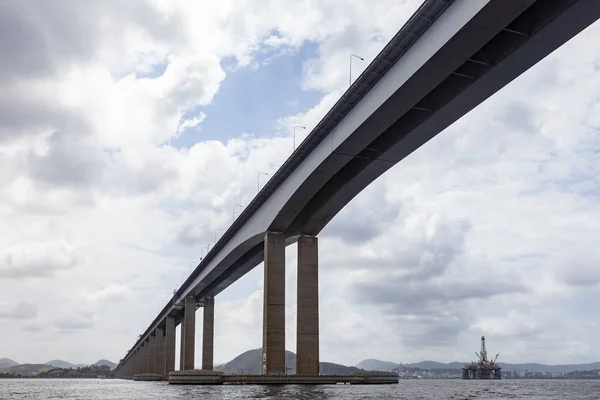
(128, 130)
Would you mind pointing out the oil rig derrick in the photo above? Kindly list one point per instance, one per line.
(483, 368)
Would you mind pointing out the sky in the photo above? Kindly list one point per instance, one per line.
(129, 130)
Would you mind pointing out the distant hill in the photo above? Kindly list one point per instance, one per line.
(550, 368)
(109, 364)
(250, 362)
(7, 362)
(327, 368)
(435, 365)
(64, 364)
(26, 369)
(372, 364)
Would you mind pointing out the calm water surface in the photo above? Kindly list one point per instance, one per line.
(406, 389)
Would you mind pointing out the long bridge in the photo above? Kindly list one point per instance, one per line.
(450, 56)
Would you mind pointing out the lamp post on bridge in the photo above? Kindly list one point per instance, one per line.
(258, 180)
(201, 256)
(220, 229)
(350, 77)
(295, 127)
(233, 212)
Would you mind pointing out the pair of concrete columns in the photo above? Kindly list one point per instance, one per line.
(307, 333)
(188, 334)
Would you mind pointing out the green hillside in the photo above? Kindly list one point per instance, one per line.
(250, 362)
(102, 362)
(372, 364)
(26, 369)
(7, 362)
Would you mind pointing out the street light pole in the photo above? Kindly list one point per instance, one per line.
(297, 126)
(258, 180)
(220, 229)
(233, 212)
(350, 77)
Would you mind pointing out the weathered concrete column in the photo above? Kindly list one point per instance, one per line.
(136, 364)
(144, 358)
(273, 358)
(181, 340)
(208, 333)
(148, 352)
(152, 354)
(140, 367)
(307, 328)
(160, 352)
(169, 345)
(188, 337)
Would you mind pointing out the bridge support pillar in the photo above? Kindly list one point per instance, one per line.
(152, 354)
(307, 322)
(136, 364)
(188, 334)
(169, 345)
(160, 352)
(208, 334)
(273, 357)
(181, 340)
(147, 353)
(144, 358)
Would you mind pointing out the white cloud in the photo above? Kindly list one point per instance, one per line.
(21, 310)
(191, 122)
(489, 228)
(39, 259)
(112, 292)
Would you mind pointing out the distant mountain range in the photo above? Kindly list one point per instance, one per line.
(63, 364)
(372, 364)
(378, 365)
(8, 363)
(109, 364)
(250, 362)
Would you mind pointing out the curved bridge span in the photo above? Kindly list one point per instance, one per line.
(449, 57)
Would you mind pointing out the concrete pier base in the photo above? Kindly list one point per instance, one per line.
(148, 377)
(196, 377)
(203, 377)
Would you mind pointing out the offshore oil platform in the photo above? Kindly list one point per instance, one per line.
(483, 368)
